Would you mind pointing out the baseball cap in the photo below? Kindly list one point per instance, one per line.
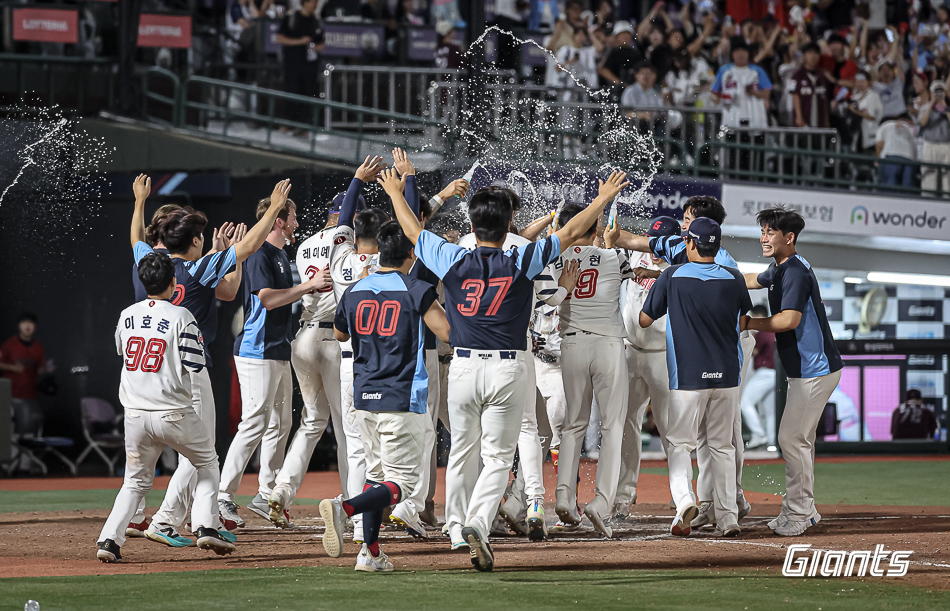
(663, 226)
(338, 203)
(623, 26)
(937, 84)
(705, 231)
(738, 42)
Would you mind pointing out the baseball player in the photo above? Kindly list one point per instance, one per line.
(549, 379)
(646, 367)
(262, 357)
(592, 349)
(672, 249)
(706, 304)
(489, 300)
(353, 254)
(808, 353)
(200, 284)
(523, 510)
(162, 346)
(315, 356)
(383, 313)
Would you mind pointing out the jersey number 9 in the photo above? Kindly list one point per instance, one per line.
(586, 284)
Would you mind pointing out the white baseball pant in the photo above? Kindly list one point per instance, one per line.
(550, 384)
(315, 356)
(592, 366)
(796, 436)
(397, 446)
(266, 394)
(181, 486)
(356, 457)
(758, 404)
(708, 412)
(704, 486)
(414, 499)
(486, 399)
(649, 385)
(146, 435)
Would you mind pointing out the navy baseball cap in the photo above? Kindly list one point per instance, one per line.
(663, 226)
(704, 231)
(338, 203)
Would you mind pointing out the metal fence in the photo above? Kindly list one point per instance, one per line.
(76, 84)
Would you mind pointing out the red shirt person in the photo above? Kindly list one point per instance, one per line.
(811, 90)
(22, 359)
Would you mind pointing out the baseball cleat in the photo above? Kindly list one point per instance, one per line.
(109, 552)
(227, 524)
(167, 535)
(568, 515)
(729, 530)
(368, 563)
(778, 520)
(229, 513)
(620, 513)
(227, 536)
(481, 555)
(331, 510)
(401, 516)
(517, 526)
(745, 508)
(259, 506)
(455, 534)
(537, 527)
(706, 517)
(681, 523)
(210, 539)
(134, 530)
(672, 504)
(790, 528)
(277, 502)
(598, 521)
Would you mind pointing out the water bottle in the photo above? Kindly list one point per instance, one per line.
(31, 605)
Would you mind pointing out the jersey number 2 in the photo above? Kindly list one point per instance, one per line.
(149, 357)
(474, 290)
(586, 284)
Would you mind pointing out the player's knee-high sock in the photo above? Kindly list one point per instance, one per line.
(372, 522)
(375, 496)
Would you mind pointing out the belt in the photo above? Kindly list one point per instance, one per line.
(544, 357)
(505, 355)
(573, 333)
(325, 325)
(347, 354)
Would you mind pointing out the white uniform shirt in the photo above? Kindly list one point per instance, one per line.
(314, 256)
(737, 105)
(594, 306)
(636, 293)
(160, 344)
(347, 266)
(547, 324)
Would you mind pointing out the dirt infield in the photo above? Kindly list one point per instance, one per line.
(63, 543)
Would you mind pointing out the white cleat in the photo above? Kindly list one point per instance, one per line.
(331, 510)
(681, 523)
(790, 528)
(368, 563)
(598, 521)
(401, 515)
(537, 527)
(706, 516)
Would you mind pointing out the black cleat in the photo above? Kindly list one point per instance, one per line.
(109, 552)
(482, 557)
(209, 538)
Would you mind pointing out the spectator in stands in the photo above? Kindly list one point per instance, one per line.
(921, 85)
(912, 419)
(838, 67)
(651, 38)
(934, 122)
(867, 110)
(811, 90)
(684, 82)
(563, 32)
(22, 361)
(642, 94)
(896, 140)
(890, 86)
(742, 89)
(542, 10)
(618, 66)
(447, 53)
(924, 46)
(579, 59)
(603, 14)
(301, 38)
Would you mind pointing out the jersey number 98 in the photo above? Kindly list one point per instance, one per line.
(147, 357)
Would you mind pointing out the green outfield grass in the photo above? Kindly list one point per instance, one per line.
(870, 483)
(337, 588)
(73, 500)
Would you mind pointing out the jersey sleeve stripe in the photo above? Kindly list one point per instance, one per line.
(196, 367)
(190, 350)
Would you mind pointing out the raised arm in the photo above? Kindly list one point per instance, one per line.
(258, 233)
(228, 287)
(394, 187)
(630, 241)
(536, 228)
(578, 226)
(368, 171)
(456, 188)
(141, 187)
(408, 171)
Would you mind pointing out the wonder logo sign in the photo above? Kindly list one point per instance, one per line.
(800, 562)
(861, 216)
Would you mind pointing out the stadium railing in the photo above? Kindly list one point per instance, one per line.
(207, 106)
(74, 83)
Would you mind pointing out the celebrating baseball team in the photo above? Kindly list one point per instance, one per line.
(586, 314)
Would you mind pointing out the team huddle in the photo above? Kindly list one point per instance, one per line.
(586, 314)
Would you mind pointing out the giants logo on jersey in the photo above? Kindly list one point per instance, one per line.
(339, 240)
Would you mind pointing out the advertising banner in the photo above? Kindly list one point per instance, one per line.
(173, 31)
(45, 25)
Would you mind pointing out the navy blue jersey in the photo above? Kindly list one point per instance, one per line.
(489, 293)
(382, 313)
(266, 333)
(704, 302)
(140, 293)
(421, 272)
(809, 350)
(672, 249)
(195, 282)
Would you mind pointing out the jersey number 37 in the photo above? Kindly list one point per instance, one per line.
(475, 289)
